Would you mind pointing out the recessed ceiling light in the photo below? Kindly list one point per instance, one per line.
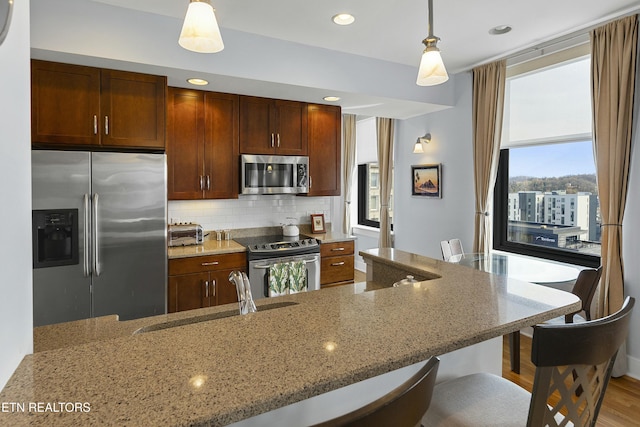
(198, 82)
(331, 98)
(344, 19)
(500, 29)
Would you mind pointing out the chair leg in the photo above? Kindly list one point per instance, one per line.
(514, 351)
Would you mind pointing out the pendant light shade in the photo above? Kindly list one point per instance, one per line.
(432, 70)
(200, 31)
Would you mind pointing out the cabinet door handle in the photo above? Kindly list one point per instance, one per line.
(337, 249)
(95, 124)
(206, 287)
(337, 264)
(310, 182)
(272, 138)
(106, 125)
(201, 182)
(204, 264)
(208, 183)
(213, 287)
(278, 140)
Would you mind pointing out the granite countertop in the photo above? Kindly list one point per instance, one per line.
(225, 370)
(331, 236)
(209, 247)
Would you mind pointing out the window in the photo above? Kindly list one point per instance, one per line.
(369, 195)
(546, 162)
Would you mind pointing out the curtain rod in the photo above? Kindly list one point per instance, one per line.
(533, 50)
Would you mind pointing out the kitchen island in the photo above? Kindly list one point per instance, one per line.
(216, 372)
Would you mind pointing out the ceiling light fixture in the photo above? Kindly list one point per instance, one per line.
(198, 82)
(343, 19)
(499, 30)
(432, 70)
(200, 31)
(331, 98)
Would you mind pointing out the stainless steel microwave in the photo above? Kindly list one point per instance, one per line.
(263, 174)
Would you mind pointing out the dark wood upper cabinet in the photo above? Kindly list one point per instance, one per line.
(133, 109)
(202, 145)
(271, 126)
(221, 150)
(325, 149)
(185, 144)
(65, 103)
(80, 106)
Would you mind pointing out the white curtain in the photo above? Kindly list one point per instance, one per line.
(349, 163)
(385, 128)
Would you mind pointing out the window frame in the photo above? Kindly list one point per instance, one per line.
(501, 221)
(363, 195)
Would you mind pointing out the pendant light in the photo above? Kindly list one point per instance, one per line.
(200, 31)
(431, 71)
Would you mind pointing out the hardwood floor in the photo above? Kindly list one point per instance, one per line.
(621, 404)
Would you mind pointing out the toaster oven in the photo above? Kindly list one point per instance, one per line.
(185, 234)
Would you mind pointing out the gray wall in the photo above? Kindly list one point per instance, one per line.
(16, 320)
(421, 223)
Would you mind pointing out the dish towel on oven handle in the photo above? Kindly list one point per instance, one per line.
(278, 279)
(297, 277)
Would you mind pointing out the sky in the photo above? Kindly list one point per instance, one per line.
(553, 160)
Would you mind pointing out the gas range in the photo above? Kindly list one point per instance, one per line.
(275, 246)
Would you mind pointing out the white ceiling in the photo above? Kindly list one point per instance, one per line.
(393, 31)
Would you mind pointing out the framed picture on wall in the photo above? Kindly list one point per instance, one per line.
(426, 180)
(317, 223)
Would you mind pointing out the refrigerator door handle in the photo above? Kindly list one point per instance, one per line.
(87, 240)
(96, 254)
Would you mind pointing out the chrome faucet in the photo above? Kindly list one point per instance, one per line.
(243, 288)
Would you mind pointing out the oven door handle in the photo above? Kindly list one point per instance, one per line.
(267, 266)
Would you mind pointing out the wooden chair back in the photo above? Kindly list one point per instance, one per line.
(404, 406)
(575, 360)
(585, 289)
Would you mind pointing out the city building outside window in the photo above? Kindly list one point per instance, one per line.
(545, 200)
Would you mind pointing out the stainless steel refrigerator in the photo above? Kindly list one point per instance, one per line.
(99, 235)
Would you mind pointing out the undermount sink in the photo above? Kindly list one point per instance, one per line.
(207, 317)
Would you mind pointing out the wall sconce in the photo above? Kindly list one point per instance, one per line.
(417, 148)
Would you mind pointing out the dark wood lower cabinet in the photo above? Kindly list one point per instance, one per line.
(203, 281)
(336, 263)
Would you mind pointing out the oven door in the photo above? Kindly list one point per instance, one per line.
(259, 273)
